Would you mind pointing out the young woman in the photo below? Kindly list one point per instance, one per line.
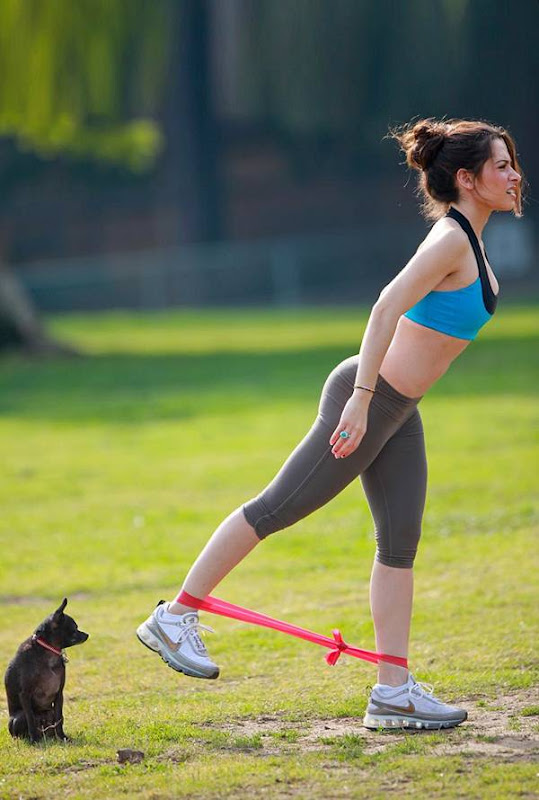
(368, 423)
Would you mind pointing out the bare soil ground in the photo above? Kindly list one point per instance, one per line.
(497, 729)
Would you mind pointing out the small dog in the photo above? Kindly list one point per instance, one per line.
(36, 676)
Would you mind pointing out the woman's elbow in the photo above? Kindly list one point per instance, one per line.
(386, 308)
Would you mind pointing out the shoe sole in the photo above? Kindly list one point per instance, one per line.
(375, 722)
(153, 644)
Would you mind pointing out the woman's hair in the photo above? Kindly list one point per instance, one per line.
(439, 148)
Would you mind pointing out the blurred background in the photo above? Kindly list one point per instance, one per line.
(158, 153)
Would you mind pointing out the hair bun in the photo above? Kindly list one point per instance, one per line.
(428, 138)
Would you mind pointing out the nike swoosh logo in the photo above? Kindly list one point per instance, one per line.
(409, 709)
(172, 645)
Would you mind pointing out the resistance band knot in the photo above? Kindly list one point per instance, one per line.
(333, 656)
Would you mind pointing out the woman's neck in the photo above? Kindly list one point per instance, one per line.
(477, 215)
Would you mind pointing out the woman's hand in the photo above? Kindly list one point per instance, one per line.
(354, 421)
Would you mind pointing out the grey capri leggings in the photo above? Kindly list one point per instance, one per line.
(390, 460)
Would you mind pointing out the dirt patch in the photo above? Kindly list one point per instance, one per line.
(499, 729)
(61, 769)
(36, 600)
(22, 600)
(494, 729)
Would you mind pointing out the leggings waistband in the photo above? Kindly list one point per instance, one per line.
(385, 388)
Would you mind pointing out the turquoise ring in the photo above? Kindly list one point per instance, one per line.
(344, 435)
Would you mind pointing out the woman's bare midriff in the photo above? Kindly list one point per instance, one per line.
(417, 357)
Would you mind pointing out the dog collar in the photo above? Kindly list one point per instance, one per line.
(48, 646)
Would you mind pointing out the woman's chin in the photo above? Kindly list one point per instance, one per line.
(509, 204)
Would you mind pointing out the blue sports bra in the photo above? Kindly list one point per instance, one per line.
(461, 312)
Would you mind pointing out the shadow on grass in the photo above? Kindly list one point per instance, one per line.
(130, 389)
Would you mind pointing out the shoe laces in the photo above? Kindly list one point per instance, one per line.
(191, 629)
(420, 689)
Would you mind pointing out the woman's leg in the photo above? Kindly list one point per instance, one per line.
(395, 485)
(308, 479)
(231, 542)
(391, 597)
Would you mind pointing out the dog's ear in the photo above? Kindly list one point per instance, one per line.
(60, 610)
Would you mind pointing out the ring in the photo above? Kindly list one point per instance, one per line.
(344, 435)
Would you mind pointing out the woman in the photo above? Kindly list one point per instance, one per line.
(368, 422)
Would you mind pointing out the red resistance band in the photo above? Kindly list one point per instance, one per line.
(337, 645)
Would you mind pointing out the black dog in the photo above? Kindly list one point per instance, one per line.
(35, 678)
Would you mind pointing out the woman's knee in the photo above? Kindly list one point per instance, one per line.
(398, 548)
(263, 521)
(399, 560)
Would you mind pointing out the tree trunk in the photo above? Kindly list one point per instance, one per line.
(189, 166)
(20, 324)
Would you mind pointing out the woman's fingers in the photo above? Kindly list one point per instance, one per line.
(345, 446)
(335, 434)
(336, 437)
(343, 452)
(353, 423)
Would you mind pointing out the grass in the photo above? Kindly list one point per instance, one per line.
(117, 466)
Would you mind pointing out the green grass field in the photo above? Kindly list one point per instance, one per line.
(118, 466)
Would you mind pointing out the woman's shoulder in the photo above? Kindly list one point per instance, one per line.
(447, 237)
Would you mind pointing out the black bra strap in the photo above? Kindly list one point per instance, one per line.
(490, 300)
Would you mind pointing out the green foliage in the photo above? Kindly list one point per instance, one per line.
(117, 466)
(83, 78)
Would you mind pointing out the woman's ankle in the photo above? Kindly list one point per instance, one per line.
(179, 608)
(391, 675)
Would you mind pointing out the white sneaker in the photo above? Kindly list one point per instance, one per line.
(177, 640)
(412, 705)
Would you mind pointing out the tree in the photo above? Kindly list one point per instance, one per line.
(83, 78)
(20, 325)
(77, 79)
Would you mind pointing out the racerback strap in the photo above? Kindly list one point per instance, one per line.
(490, 300)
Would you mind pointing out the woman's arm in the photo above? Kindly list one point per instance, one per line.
(426, 269)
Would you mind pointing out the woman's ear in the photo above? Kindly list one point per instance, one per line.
(465, 179)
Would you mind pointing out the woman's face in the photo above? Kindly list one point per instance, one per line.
(497, 183)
